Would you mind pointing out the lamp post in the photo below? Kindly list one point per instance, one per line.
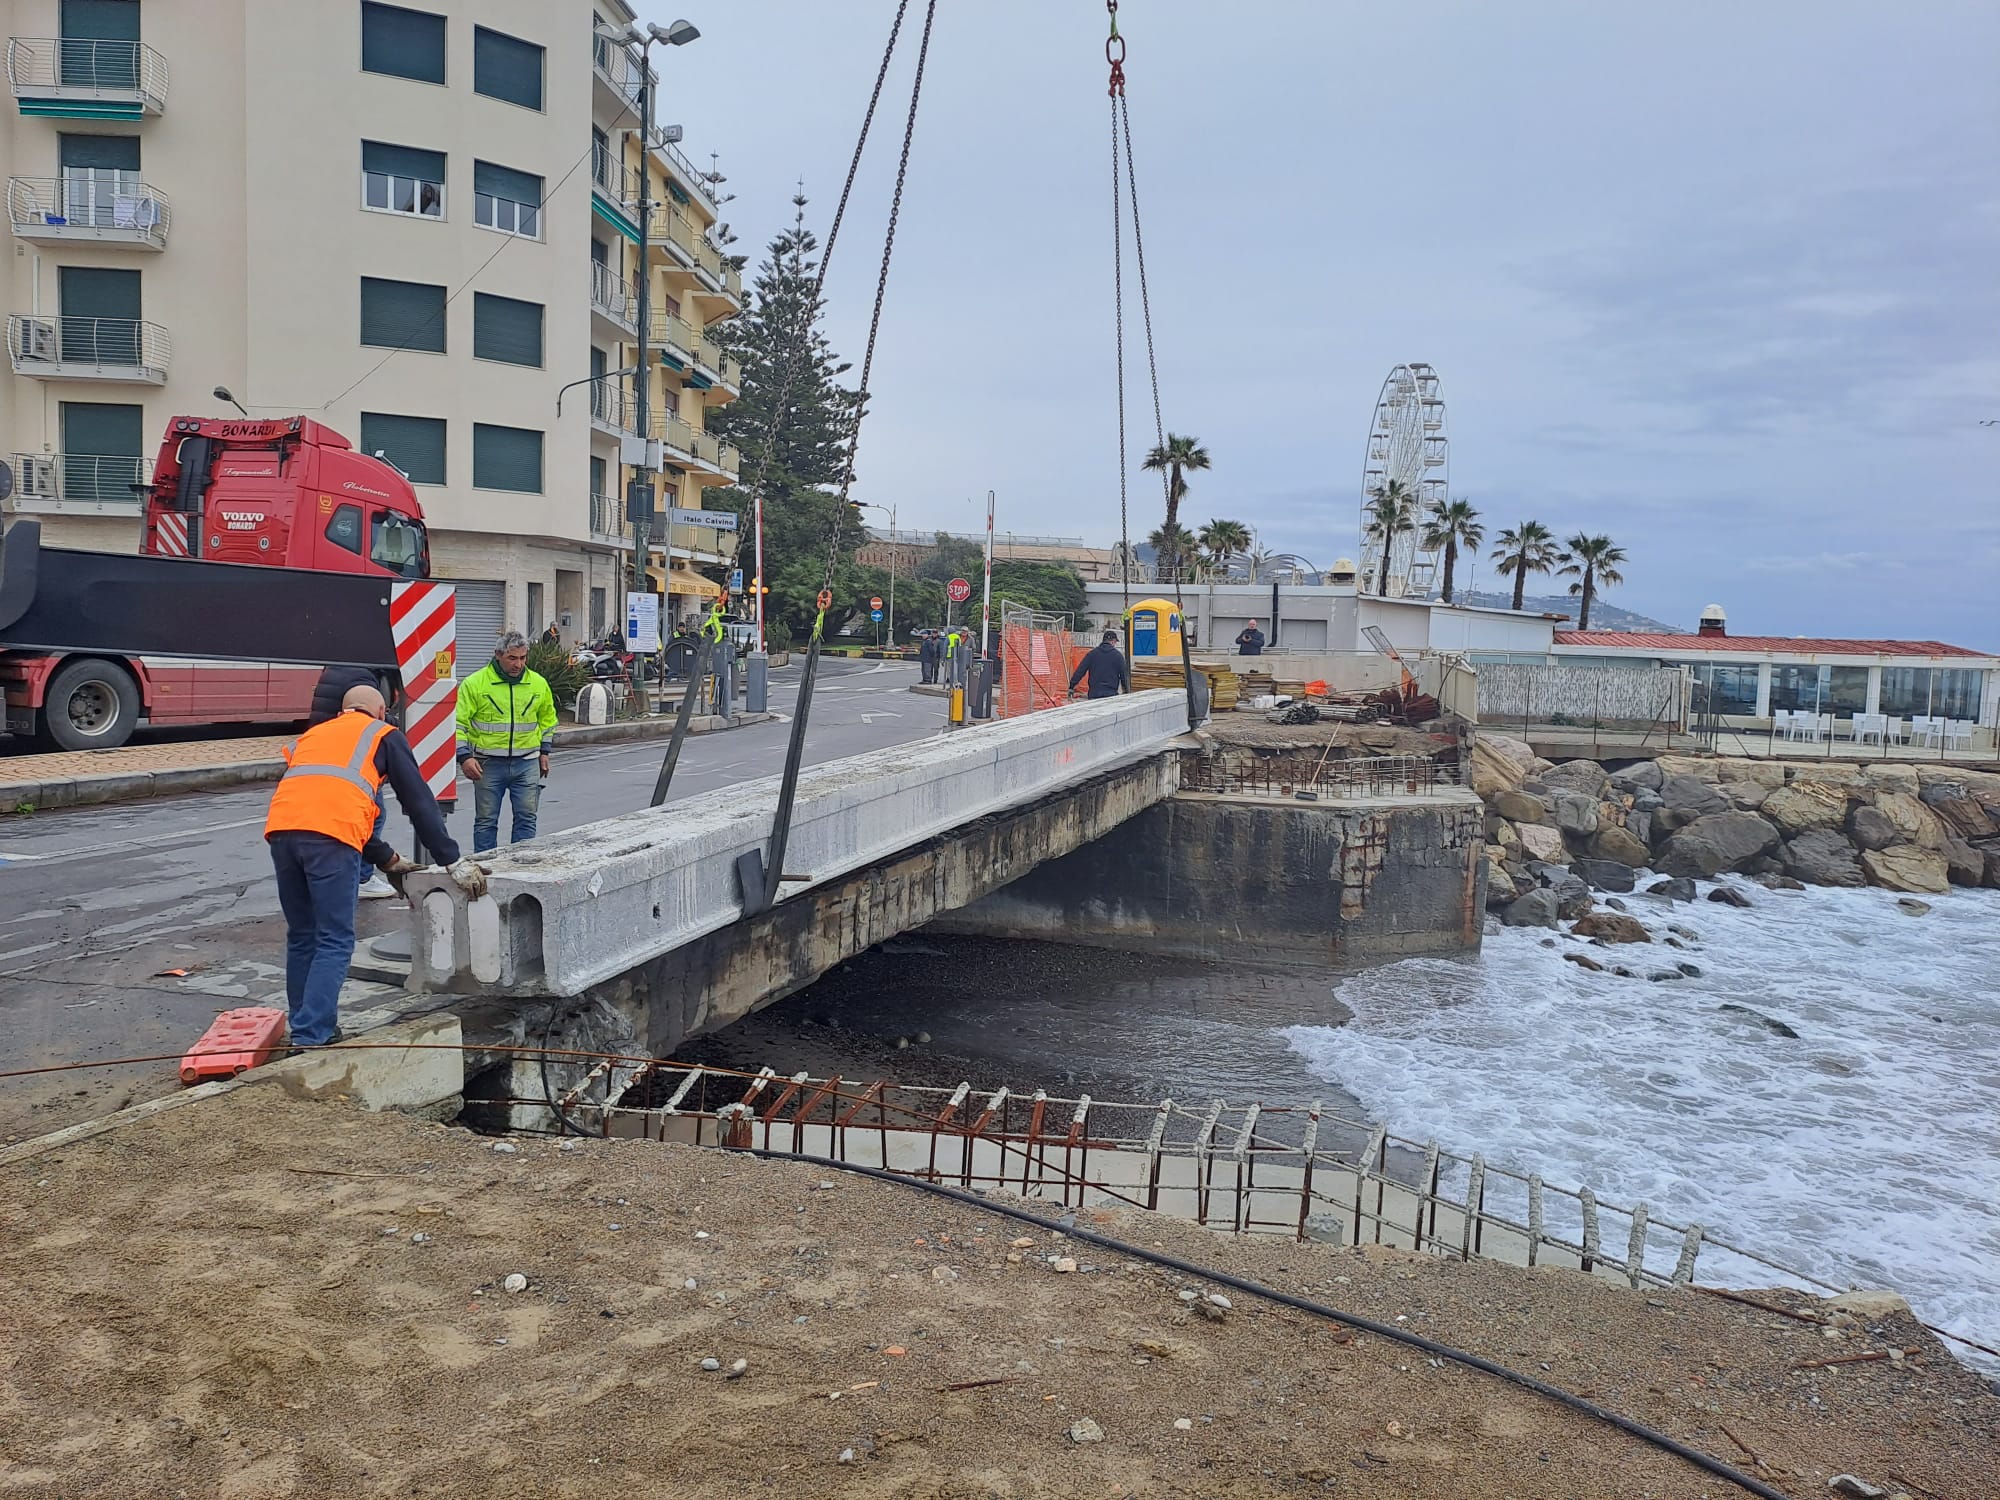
(893, 555)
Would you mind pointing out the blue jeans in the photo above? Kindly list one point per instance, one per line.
(522, 776)
(317, 882)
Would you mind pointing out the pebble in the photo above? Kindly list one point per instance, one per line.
(1083, 1430)
(1183, 1424)
(826, 1187)
(515, 1283)
(711, 1365)
(701, 1234)
(1065, 1265)
(1855, 1488)
(387, 1233)
(923, 1038)
(946, 1273)
(570, 1145)
(1023, 1243)
(1190, 1296)
(614, 1228)
(420, 1238)
(505, 1148)
(1219, 1300)
(847, 1455)
(1013, 1257)
(688, 1285)
(738, 1368)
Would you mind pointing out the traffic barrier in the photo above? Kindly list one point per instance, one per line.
(423, 622)
(236, 1041)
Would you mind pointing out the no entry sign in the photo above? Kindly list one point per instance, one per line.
(958, 591)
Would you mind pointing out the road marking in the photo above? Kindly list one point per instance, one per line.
(145, 841)
(881, 714)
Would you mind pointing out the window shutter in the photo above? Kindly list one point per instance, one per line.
(90, 293)
(506, 458)
(506, 329)
(402, 161)
(100, 20)
(402, 43)
(413, 444)
(505, 182)
(505, 67)
(116, 153)
(102, 450)
(402, 314)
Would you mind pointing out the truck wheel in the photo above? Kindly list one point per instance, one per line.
(90, 705)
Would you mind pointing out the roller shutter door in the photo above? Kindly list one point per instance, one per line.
(482, 615)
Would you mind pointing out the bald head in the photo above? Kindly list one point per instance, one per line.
(368, 699)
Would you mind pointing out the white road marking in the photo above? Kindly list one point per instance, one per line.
(121, 846)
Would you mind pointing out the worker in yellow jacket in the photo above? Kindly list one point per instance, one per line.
(506, 729)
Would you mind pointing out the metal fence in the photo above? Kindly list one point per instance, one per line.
(1034, 660)
(1304, 775)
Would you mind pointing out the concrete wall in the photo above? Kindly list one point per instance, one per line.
(1242, 880)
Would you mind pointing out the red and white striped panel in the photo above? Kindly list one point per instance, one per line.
(170, 534)
(423, 623)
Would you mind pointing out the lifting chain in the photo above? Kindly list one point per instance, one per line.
(1114, 52)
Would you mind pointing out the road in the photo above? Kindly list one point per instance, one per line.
(99, 906)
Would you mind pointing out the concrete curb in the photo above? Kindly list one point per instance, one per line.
(131, 786)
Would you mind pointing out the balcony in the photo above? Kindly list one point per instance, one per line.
(613, 411)
(614, 190)
(613, 303)
(711, 461)
(615, 82)
(682, 170)
(682, 246)
(70, 78)
(607, 521)
(82, 483)
(126, 350)
(92, 206)
(707, 367)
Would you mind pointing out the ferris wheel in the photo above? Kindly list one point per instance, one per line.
(1407, 447)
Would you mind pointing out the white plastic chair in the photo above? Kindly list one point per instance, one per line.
(1894, 732)
(1866, 727)
(1926, 731)
(1958, 734)
(1787, 723)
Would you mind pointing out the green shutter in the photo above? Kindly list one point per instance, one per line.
(505, 329)
(413, 444)
(505, 182)
(402, 314)
(402, 43)
(101, 20)
(402, 161)
(87, 292)
(115, 153)
(103, 447)
(506, 458)
(81, 62)
(505, 67)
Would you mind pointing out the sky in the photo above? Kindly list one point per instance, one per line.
(1720, 281)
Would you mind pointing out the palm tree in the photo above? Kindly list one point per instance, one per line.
(1452, 524)
(1597, 561)
(1524, 549)
(1178, 456)
(1222, 540)
(1172, 547)
(1392, 510)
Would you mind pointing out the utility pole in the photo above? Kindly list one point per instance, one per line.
(642, 516)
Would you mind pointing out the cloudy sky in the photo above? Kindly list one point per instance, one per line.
(1721, 280)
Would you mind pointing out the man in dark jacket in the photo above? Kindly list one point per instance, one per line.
(1104, 666)
(1250, 641)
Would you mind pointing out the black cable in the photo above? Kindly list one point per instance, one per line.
(1250, 1288)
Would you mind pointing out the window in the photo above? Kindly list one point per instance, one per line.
(1725, 689)
(506, 200)
(505, 67)
(506, 458)
(402, 43)
(343, 529)
(402, 179)
(100, 315)
(1933, 692)
(1906, 690)
(103, 444)
(506, 330)
(114, 153)
(1821, 690)
(399, 544)
(100, 44)
(414, 445)
(534, 609)
(402, 314)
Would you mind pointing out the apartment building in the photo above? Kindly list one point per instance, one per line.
(377, 215)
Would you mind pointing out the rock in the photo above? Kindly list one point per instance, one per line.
(1584, 960)
(1612, 927)
(1536, 909)
(1680, 888)
(1805, 805)
(1992, 858)
(1584, 776)
(1183, 1424)
(1660, 974)
(1500, 887)
(1492, 770)
(1936, 790)
(505, 1148)
(737, 1369)
(948, 1273)
(1913, 906)
(1871, 828)
(1641, 776)
(1964, 817)
(1539, 841)
(1615, 904)
(515, 1283)
(1915, 823)
(1871, 1306)
(1963, 864)
(1684, 794)
(1746, 796)
(1763, 864)
(1083, 1430)
(1605, 874)
(1647, 802)
(1692, 971)
(1776, 1027)
(711, 1365)
(1856, 1489)
(1728, 895)
(1572, 895)
(1821, 856)
(1064, 1264)
(1714, 843)
(1517, 807)
(846, 1455)
(1620, 845)
(1576, 814)
(1220, 1301)
(1907, 868)
(1772, 882)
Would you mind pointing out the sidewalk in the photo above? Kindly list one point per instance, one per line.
(83, 778)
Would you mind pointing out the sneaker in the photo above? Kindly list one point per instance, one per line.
(375, 887)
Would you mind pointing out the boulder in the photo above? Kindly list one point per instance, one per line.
(1694, 767)
(1992, 857)
(1612, 927)
(1728, 895)
(1613, 843)
(1604, 874)
(1963, 864)
(1535, 909)
(1517, 806)
(1585, 776)
(1772, 881)
(1491, 770)
(1576, 814)
(1680, 888)
(1915, 823)
(1805, 805)
(1505, 839)
(1684, 794)
(1646, 802)
(1776, 1027)
(1511, 746)
(1820, 856)
(1871, 828)
(1932, 792)
(1573, 897)
(1887, 776)
(1745, 796)
(1912, 906)
(1539, 841)
(1963, 817)
(1639, 823)
(1584, 960)
(1500, 887)
(1715, 843)
(1640, 776)
(1906, 868)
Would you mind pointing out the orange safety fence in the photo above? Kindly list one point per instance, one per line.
(1035, 667)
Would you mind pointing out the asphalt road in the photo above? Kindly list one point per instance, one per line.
(98, 905)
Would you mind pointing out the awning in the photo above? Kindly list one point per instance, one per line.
(685, 581)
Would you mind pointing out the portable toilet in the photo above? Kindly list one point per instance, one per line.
(1156, 628)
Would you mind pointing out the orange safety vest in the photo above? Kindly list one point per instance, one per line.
(332, 784)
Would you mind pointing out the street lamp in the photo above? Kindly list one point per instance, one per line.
(221, 393)
(893, 554)
(592, 380)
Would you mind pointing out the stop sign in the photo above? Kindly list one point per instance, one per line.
(958, 591)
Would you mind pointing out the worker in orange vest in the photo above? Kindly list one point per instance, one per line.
(321, 827)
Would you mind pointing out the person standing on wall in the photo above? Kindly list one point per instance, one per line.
(1250, 640)
(320, 832)
(1103, 665)
(506, 729)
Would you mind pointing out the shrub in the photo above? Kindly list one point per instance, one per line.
(565, 677)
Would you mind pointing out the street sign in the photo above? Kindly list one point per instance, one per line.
(958, 591)
(735, 580)
(875, 602)
(642, 622)
(875, 615)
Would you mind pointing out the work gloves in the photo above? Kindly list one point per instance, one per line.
(397, 871)
(469, 877)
